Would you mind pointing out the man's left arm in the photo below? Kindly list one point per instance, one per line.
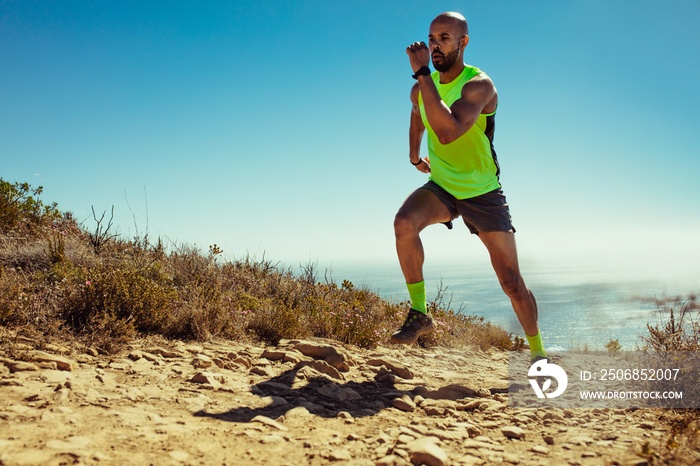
(449, 123)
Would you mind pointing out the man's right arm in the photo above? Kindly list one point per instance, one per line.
(415, 133)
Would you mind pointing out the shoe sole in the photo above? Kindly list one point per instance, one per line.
(420, 332)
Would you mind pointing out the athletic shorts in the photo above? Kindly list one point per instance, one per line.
(488, 212)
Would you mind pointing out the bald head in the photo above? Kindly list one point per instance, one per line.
(454, 20)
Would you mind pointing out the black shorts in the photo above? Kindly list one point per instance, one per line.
(488, 212)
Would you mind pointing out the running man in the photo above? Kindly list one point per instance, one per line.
(456, 105)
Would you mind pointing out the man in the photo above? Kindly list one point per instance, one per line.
(456, 105)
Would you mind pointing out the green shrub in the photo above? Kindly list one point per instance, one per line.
(124, 298)
(272, 324)
(613, 346)
(21, 211)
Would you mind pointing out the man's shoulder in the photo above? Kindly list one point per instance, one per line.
(480, 82)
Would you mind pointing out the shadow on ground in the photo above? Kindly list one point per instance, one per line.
(326, 398)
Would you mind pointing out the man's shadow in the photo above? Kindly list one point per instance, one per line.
(326, 398)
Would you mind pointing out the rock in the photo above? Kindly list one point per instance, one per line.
(472, 404)
(329, 390)
(540, 449)
(348, 394)
(299, 412)
(425, 451)
(19, 366)
(169, 354)
(433, 410)
(581, 440)
(272, 438)
(456, 435)
(202, 362)
(322, 367)
(404, 403)
(471, 428)
(208, 378)
(63, 364)
(457, 391)
(391, 460)
(295, 357)
(391, 364)
(121, 364)
(273, 354)
(335, 357)
(339, 454)
(240, 360)
(269, 422)
(513, 432)
(549, 439)
(263, 371)
(274, 387)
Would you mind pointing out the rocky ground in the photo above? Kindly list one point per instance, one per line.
(303, 402)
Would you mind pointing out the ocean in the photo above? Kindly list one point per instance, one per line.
(579, 307)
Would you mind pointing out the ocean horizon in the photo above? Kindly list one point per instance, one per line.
(580, 307)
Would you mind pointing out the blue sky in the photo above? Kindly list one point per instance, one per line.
(280, 127)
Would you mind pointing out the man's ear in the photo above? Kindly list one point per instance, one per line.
(463, 41)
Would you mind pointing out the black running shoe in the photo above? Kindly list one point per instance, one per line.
(416, 325)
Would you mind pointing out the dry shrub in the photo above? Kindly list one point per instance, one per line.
(116, 302)
(272, 324)
(53, 276)
(678, 332)
(28, 254)
(678, 335)
(12, 294)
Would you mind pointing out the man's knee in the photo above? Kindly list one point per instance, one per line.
(513, 285)
(403, 224)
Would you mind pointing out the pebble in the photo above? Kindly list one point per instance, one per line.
(513, 432)
(404, 403)
(425, 451)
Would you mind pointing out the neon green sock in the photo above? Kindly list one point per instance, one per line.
(536, 346)
(417, 293)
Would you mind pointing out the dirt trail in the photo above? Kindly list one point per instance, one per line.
(303, 402)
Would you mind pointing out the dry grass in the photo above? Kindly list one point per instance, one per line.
(54, 278)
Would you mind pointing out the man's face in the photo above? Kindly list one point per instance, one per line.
(444, 44)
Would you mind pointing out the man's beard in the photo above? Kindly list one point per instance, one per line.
(447, 61)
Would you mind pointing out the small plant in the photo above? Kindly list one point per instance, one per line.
(518, 344)
(214, 251)
(613, 346)
(680, 331)
(101, 235)
(56, 248)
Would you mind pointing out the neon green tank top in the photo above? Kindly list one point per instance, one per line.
(466, 167)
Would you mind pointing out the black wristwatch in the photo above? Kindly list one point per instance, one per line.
(417, 163)
(423, 71)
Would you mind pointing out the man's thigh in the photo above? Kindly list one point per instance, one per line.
(423, 208)
(502, 250)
